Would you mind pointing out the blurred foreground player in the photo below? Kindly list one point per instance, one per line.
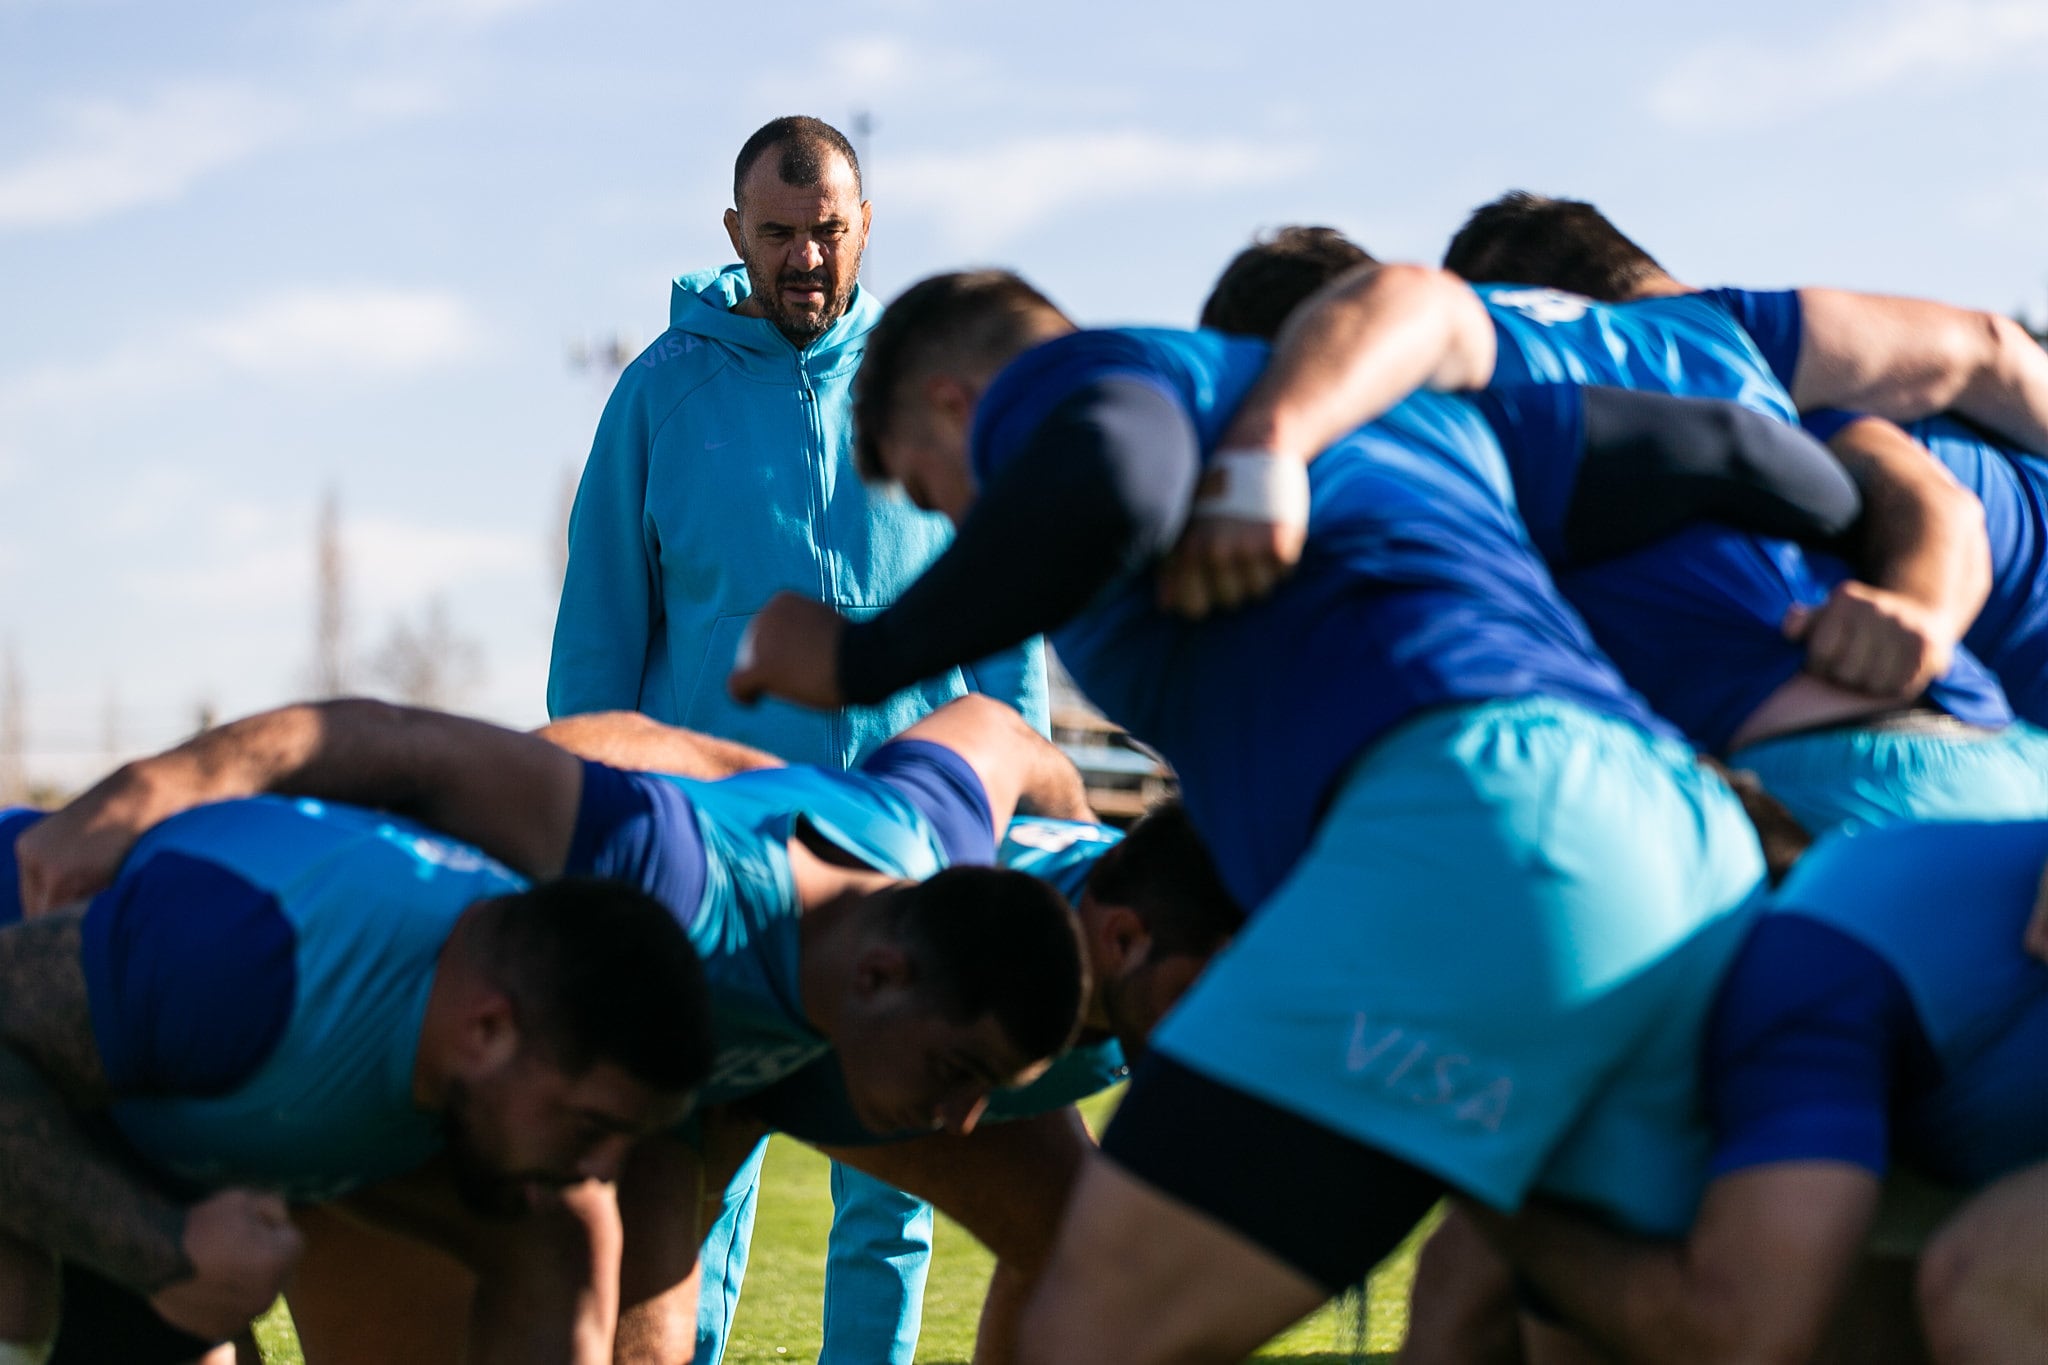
(1882, 1014)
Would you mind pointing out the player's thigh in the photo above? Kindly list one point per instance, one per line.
(1983, 1277)
(1004, 1182)
(1137, 1277)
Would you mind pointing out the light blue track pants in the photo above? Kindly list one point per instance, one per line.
(875, 1267)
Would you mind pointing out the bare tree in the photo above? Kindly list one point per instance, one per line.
(331, 672)
(13, 732)
(429, 663)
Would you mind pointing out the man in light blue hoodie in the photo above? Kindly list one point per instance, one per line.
(722, 473)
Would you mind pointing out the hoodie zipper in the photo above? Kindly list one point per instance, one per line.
(807, 395)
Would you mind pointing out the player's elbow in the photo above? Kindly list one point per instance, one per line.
(1979, 355)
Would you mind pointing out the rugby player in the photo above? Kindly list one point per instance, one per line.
(311, 999)
(1414, 723)
(1692, 622)
(1857, 1031)
(1903, 359)
(509, 794)
(1848, 698)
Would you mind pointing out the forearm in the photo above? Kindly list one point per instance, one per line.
(627, 739)
(1922, 534)
(68, 1194)
(1356, 349)
(508, 793)
(1635, 1298)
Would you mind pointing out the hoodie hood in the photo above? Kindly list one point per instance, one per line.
(701, 304)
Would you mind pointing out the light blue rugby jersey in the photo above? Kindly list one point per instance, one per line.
(717, 854)
(1687, 345)
(258, 976)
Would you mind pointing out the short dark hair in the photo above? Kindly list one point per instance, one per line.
(973, 313)
(1269, 279)
(1784, 839)
(600, 971)
(986, 940)
(805, 143)
(1523, 238)
(1162, 870)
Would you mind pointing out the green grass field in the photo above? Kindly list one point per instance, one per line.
(779, 1310)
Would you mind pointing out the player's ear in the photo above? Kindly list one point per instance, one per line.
(489, 1037)
(950, 398)
(1120, 939)
(882, 967)
(732, 232)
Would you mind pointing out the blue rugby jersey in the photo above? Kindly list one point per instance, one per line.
(1771, 318)
(1418, 588)
(258, 976)
(1686, 345)
(1884, 1008)
(1693, 621)
(717, 854)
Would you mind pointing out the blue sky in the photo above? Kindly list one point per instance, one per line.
(251, 251)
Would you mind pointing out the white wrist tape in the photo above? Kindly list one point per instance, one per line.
(1255, 485)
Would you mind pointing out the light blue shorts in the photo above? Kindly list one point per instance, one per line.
(1831, 778)
(1495, 959)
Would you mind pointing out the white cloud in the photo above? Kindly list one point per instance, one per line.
(985, 197)
(112, 156)
(1747, 84)
(332, 334)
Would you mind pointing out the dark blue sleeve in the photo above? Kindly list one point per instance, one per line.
(1812, 1035)
(190, 974)
(14, 822)
(945, 787)
(1100, 488)
(1773, 321)
(1823, 423)
(639, 828)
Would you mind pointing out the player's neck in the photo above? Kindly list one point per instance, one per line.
(1662, 286)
